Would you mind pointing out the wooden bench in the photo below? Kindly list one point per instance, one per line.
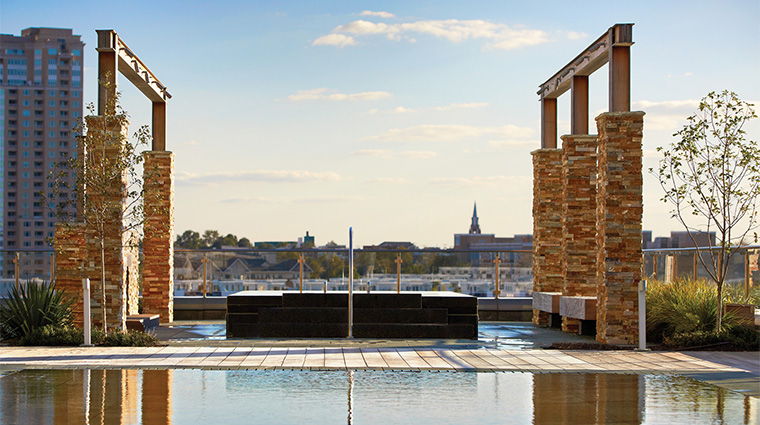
(142, 322)
(581, 308)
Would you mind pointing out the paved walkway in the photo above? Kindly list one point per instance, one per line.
(199, 350)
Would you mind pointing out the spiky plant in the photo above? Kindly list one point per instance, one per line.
(32, 306)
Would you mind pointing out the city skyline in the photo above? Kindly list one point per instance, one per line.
(391, 117)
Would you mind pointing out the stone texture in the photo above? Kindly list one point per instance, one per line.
(158, 247)
(619, 213)
(83, 245)
(547, 225)
(546, 301)
(579, 174)
(578, 308)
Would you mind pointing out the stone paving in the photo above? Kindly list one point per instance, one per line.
(502, 347)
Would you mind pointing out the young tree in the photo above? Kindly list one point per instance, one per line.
(105, 179)
(711, 175)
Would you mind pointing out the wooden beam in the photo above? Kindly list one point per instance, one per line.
(548, 123)
(107, 69)
(159, 126)
(131, 66)
(579, 105)
(589, 60)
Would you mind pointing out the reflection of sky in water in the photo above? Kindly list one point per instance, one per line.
(323, 397)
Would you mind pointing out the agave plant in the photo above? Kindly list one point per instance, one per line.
(33, 306)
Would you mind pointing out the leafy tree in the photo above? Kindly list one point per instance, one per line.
(245, 243)
(711, 174)
(189, 240)
(209, 237)
(229, 240)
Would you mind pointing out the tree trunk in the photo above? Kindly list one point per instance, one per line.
(721, 278)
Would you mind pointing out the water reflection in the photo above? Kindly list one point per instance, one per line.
(362, 397)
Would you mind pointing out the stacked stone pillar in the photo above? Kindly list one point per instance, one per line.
(547, 225)
(619, 214)
(81, 242)
(578, 220)
(70, 264)
(158, 248)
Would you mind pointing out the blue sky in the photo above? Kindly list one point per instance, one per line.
(392, 117)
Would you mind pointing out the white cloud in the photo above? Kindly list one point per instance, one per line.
(387, 153)
(417, 154)
(497, 36)
(514, 142)
(388, 180)
(256, 176)
(340, 40)
(481, 181)
(451, 133)
(690, 104)
(378, 14)
(471, 105)
(332, 95)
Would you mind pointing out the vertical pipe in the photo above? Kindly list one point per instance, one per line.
(87, 321)
(350, 282)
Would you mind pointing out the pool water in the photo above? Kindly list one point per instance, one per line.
(362, 397)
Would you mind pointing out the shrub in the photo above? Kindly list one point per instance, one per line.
(53, 335)
(741, 337)
(32, 307)
(130, 338)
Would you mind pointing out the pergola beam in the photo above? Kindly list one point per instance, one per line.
(592, 58)
(113, 55)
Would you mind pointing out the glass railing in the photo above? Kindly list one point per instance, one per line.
(219, 272)
(20, 266)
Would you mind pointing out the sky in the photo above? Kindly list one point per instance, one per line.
(392, 117)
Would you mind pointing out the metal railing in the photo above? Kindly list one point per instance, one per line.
(674, 263)
(483, 273)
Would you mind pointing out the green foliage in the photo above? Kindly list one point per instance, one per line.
(33, 306)
(684, 314)
(67, 335)
(736, 338)
(129, 338)
(711, 174)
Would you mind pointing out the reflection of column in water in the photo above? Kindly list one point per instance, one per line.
(156, 397)
(350, 397)
(605, 398)
(86, 395)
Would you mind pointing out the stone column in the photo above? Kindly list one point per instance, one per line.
(70, 260)
(547, 225)
(158, 248)
(619, 213)
(578, 220)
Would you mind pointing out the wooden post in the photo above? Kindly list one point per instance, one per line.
(398, 272)
(300, 271)
(579, 112)
(548, 123)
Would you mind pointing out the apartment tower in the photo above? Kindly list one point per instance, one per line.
(41, 102)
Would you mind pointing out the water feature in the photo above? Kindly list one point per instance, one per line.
(362, 397)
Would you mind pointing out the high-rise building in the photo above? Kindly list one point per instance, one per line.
(41, 102)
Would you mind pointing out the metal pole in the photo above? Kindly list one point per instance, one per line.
(654, 265)
(86, 312)
(15, 266)
(350, 281)
(52, 266)
(695, 265)
(642, 315)
(204, 274)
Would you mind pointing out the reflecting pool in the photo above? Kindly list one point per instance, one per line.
(361, 397)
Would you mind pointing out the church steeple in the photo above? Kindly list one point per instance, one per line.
(475, 227)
